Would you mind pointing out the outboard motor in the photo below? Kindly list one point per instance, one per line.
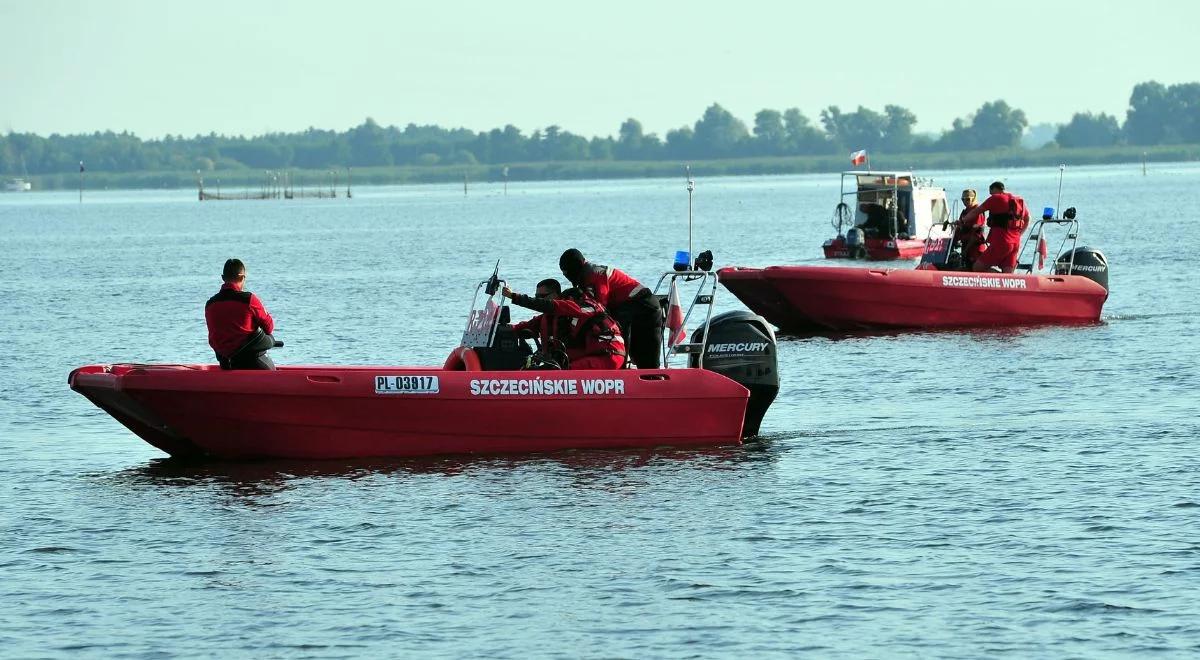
(1089, 263)
(741, 347)
(856, 243)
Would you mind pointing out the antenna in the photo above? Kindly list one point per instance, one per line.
(1058, 205)
(691, 186)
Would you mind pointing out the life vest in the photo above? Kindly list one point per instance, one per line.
(1016, 218)
(550, 327)
(595, 333)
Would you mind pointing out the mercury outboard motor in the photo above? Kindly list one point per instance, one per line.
(1089, 263)
(741, 347)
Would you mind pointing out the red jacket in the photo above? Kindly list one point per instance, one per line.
(232, 316)
(609, 286)
(970, 234)
(997, 204)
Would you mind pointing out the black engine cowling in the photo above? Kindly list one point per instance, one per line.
(741, 347)
(1089, 262)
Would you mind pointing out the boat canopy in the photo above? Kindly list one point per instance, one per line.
(913, 204)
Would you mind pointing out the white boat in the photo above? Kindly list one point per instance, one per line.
(886, 215)
(17, 185)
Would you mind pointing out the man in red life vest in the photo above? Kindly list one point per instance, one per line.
(1006, 222)
(549, 330)
(234, 317)
(634, 307)
(593, 339)
(969, 233)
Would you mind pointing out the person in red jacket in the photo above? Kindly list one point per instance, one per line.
(1004, 231)
(550, 330)
(234, 316)
(593, 339)
(635, 308)
(969, 234)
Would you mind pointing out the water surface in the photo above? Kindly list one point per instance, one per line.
(1019, 492)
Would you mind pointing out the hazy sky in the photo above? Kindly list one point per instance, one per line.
(251, 66)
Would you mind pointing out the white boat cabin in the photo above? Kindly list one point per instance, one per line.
(911, 205)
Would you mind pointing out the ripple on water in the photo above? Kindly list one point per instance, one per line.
(1026, 492)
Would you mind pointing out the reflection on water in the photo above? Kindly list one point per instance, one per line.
(254, 480)
(994, 333)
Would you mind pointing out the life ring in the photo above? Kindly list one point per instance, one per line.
(463, 359)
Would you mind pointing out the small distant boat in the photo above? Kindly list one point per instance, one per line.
(884, 216)
(17, 185)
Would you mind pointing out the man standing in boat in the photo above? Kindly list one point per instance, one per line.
(633, 306)
(969, 234)
(1007, 219)
(234, 318)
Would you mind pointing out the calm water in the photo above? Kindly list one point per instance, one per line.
(1027, 493)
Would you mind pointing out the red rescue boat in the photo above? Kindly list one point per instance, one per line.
(479, 401)
(816, 298)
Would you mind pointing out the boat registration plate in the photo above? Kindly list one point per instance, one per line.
(406, 384)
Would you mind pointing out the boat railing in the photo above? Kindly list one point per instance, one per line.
(705, 295)
(1037, 236)
(937, 250)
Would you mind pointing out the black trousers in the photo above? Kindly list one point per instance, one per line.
(641, 325)
(252, 354)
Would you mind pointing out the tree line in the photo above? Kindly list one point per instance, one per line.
(1157, 115)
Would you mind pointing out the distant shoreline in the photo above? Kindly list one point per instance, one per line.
(234, 180)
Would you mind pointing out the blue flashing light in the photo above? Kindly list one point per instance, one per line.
(683, 260)
(1048, 213)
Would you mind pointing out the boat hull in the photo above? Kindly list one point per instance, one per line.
(876, 249)
(200, 411)
(814, 298)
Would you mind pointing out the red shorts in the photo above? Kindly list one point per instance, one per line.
(1001, 251)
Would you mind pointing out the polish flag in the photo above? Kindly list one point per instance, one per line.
(1041, 252)
(675, 318)
(858, 157)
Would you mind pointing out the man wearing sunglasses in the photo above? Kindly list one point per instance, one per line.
(969, 233)
(546, 328)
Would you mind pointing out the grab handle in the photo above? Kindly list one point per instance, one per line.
(323, 379)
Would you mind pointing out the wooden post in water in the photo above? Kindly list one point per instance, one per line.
(464, 183)
(81, 182)
(506, 180)
(1143, 163)
(348, 169)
